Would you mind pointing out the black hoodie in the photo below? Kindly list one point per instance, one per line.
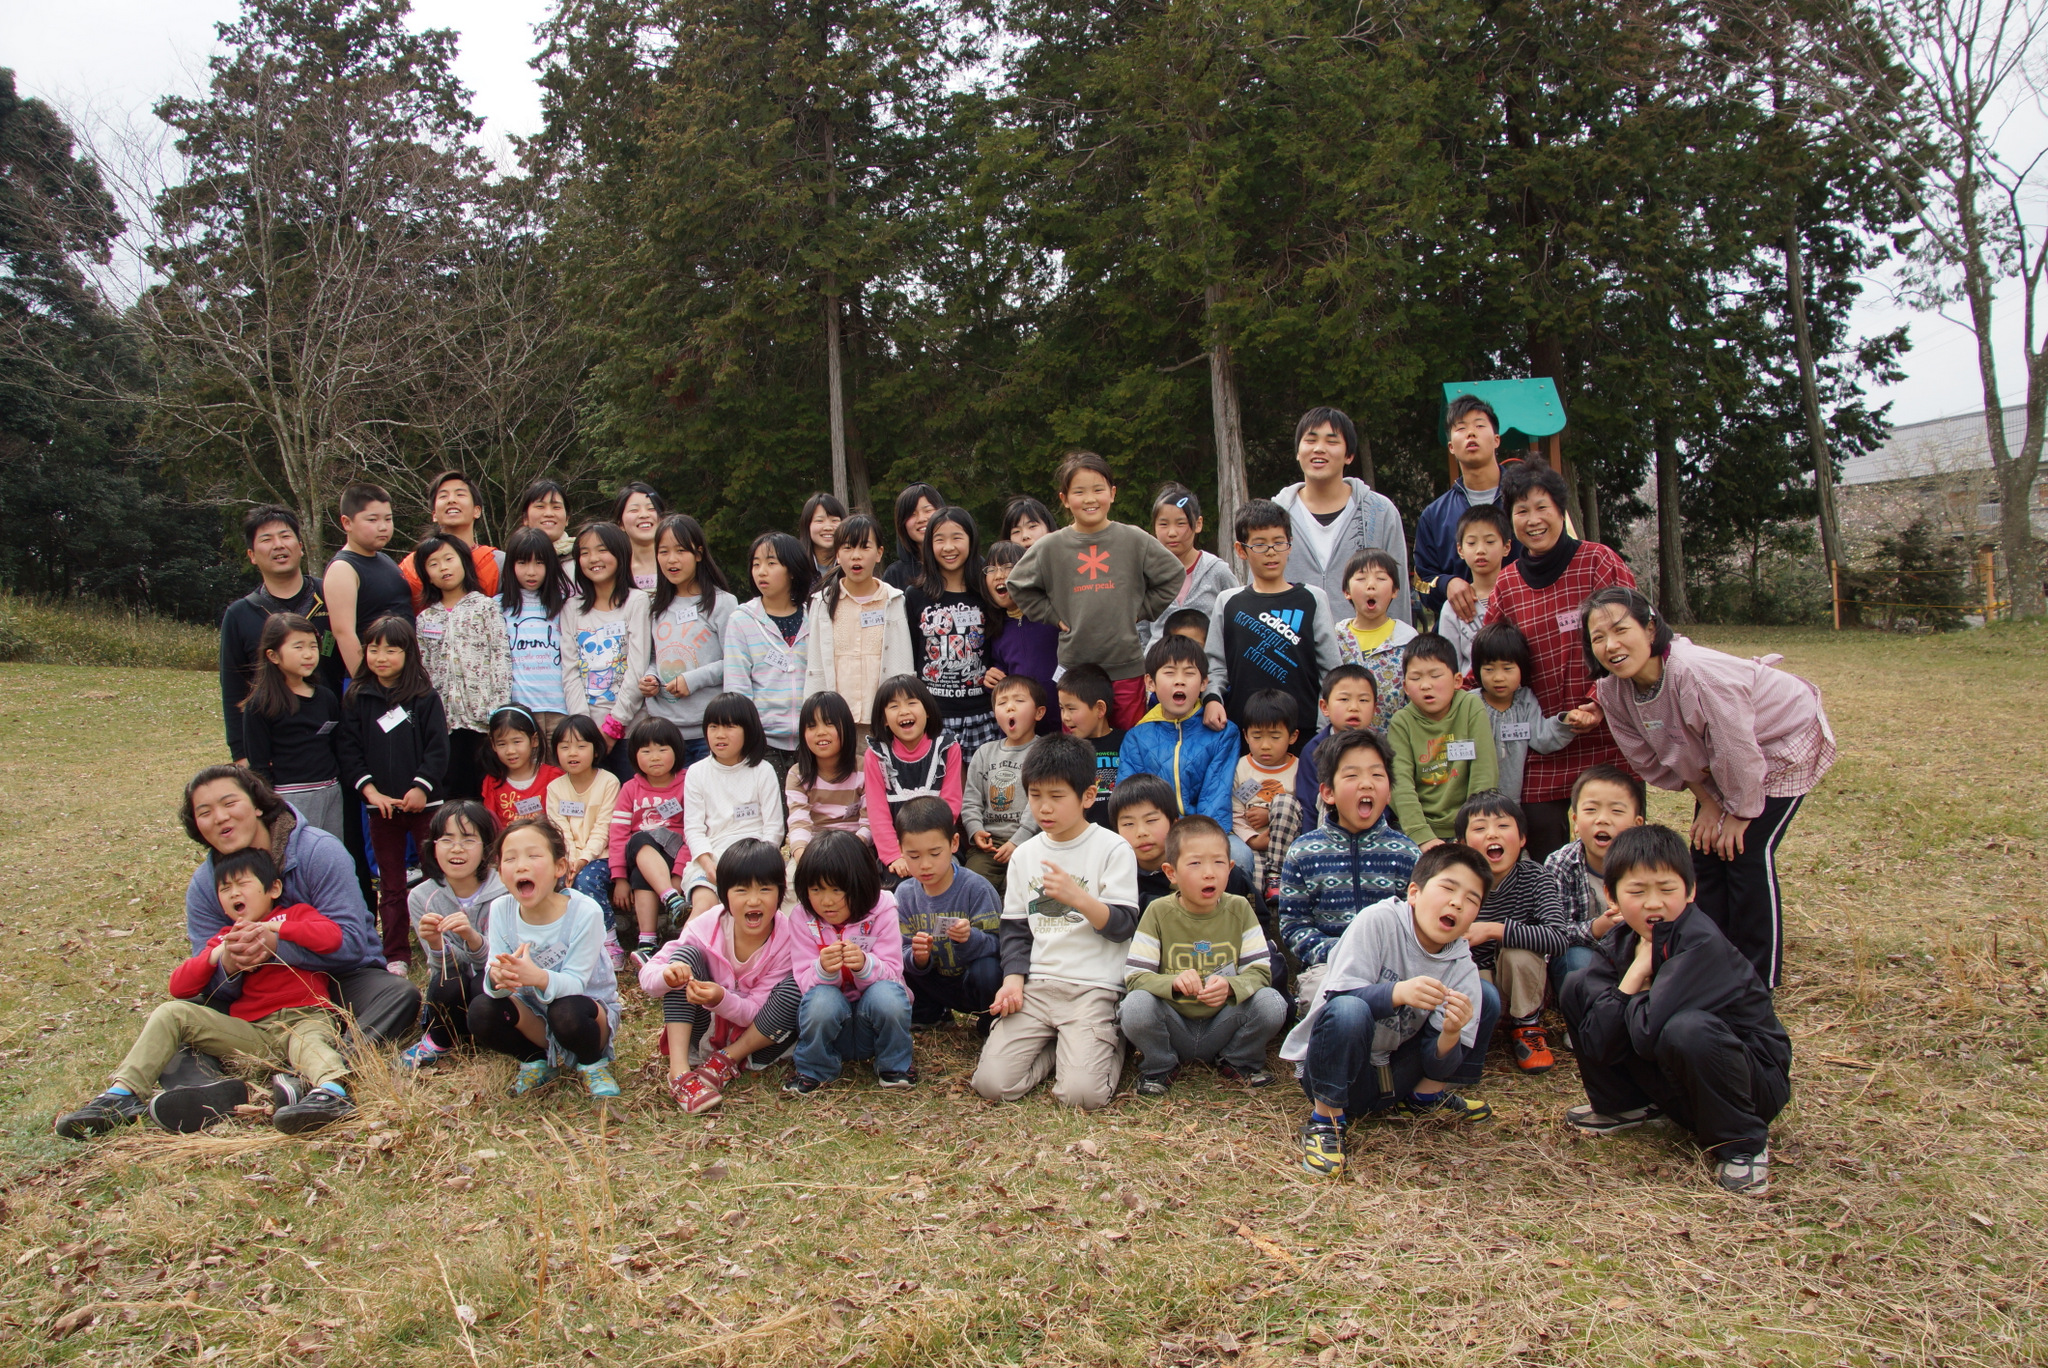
(1696, 969)
(412, 751)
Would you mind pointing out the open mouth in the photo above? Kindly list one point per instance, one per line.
(525, 886)
(1496, 853)
(1448, 921)
(1601, 838)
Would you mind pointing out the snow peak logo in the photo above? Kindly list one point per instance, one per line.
(1285, 621)
(1093, 565)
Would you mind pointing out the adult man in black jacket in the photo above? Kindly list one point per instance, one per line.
(275, 549)
(1671, 1019)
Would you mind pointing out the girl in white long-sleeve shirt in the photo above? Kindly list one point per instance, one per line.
(731, 795)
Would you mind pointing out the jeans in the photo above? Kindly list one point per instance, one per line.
(830, 1030)
(1237, 1034)
(594, 881)
(1562, 967)
(1245, 858)
(693, 751)
(934, 997)
(1339, 1071)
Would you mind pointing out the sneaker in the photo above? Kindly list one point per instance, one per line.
(397, 968)
(320, 1107)
(1322, 1146)
(1446, 1104)
(109, 1111)
(533, 1073)
(598, 1078)
(421, 1054)
(286, 1089)
(702, 1089)
(1257, 1077)
(1599, 1123)
(186, 1110)
(642, 953)
(896, 1078)
(1155, 1085)
(796, 1085)
(1748, 1174)
(614, 954)
(1532, 1050)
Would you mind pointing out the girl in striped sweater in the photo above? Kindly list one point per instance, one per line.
(825, 790)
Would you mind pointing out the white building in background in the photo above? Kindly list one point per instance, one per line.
(1938, 470)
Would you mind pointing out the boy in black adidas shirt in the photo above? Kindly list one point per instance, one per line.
(1270, 634)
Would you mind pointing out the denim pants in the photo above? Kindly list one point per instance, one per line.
(1339, 1070)
(1574, 958)
(594, 881)
(830, 1030)
(935, 997)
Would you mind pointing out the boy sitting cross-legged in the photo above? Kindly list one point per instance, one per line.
(1521, 925)
(1068, 915)
(950, 916)
(1353, 860)
(278, 1014)
(1401, 1009)
(1671, 1019)
(1197, 981)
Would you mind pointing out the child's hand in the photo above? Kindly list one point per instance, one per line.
(517, 970)
(679, 686)
(1587, 717)
(1485, 933)
(1187, 983)
(1258, 816)
(1060, 885)
(415, 799)
(1259, 841)
(430, 931)
(1421, 992)
(1004, 851)
(1432, 843)
(1009, 998)
(1215, 992)
(622, 894)
(649, 686)
(900, 867)
(1214, 716)
(1457, 1011)
(830, 960)
(576, 864)
(959, 929)
(993, 678)
(704, 993)
(852, 958)
(384, 803)
(984, 841)
(1638, 976)
(921, 949)
(676, 974)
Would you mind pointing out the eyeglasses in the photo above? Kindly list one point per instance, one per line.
(1266, 548)
(460, 842)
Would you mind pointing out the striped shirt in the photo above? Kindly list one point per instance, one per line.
(536, 656)
(829, 805)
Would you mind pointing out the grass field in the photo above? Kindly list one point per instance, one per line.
(453, 1226)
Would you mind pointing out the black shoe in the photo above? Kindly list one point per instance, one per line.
(189, 1067)
(796, 1085)
(286, 1089)
(185, 1110)
(1156, 1085)
(109, 1111)
(318, 1108)
(892, 1079)
(1256, 1077)
(983, 1024)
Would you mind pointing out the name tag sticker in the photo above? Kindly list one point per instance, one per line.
(1514, 731)
(778, 661)
(1568, 623)
(872, 617)
(393, 719)
(527, 807)
(689, 614)
(572, 809)
(1653, 724)
(668, 807)
(326, 727)
(1462, 750)
(741, 811)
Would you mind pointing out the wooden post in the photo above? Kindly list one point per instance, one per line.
(1553, 451)
(1990, 586)
(1835, 581)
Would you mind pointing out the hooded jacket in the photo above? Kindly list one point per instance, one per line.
(1200, 585)
(1369, 520)
(454, 957)
(1199, 763)
(767, 669)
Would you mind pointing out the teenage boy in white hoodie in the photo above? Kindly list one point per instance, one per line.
(1334, 515)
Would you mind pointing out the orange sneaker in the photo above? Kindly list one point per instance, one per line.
(1532, 1049)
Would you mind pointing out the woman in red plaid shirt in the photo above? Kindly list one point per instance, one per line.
(1540, 592)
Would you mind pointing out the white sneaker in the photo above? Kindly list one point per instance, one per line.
(397, 968)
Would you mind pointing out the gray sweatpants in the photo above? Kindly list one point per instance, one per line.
(1238, 1034)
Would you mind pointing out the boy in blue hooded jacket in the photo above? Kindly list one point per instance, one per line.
(1172, 742)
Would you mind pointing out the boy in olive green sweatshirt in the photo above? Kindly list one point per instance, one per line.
(1198, 981)
(1443, 743)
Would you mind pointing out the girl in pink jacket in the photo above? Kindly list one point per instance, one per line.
(724, 983)
(1749, 742)
(847, 960)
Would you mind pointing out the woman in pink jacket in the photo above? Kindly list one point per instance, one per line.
(1749, 742)
(724, 983)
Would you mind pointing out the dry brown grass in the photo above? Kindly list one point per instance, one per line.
(449, 1225)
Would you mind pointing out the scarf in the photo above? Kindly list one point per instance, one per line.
(1540, 572)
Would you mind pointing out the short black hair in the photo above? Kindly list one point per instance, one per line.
(447, 815)
(262, 516)
(447, 477)
(1061, 759)
(1493, 515)
(1175, 650)
(425, 551)
(791, 556)
(1074, 462)
(1260, 513)
(1430, 646)
(1024, 508)
(654, 731)
(530, 545)
(1438, 858)
(1492, 803)
(1648, 848)
(1180, 619)
(576, 724)
(926, 814)
(1143, 790)
(511, 717)
(1499, 642)
(1271, 708)
(1337, 419)
(538, 491)
(1192, 827)
(1032, 688)
(248, 860)
(1522, 478)
(1005, 552)
(738, 710)
(1632, 602)
(1089, 683)
(1470, 403)
(841, 860)
(904, 686)
(751, 861)
(1348, 673)
(1336, 746)
(359, 496)
(1617, 776)
(830, 708)
(1372, 558)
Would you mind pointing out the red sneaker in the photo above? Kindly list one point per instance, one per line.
(1532, 1049)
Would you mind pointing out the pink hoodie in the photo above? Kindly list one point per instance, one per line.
(878, 935)
(748, 985)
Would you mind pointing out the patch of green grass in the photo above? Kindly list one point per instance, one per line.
(862, 1227)
(85, 632)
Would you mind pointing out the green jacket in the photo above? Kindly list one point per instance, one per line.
(1438, 765)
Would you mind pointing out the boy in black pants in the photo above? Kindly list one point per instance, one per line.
(1671, 1020)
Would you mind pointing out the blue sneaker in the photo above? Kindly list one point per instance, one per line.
(598, 1078)
(533, 1073)
(422, 1054)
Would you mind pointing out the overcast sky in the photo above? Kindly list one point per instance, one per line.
(108, 60)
